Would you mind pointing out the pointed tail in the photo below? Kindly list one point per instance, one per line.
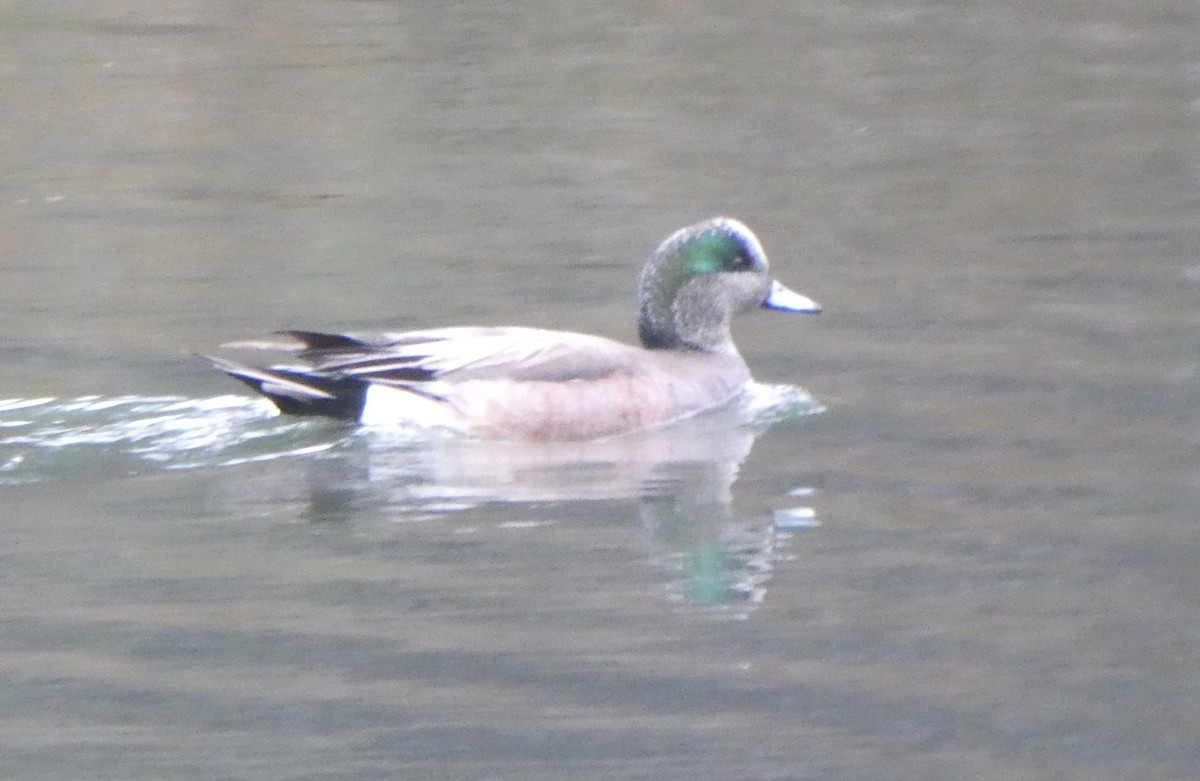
(298, 391)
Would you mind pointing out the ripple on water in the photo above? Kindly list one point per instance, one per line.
(42, 438)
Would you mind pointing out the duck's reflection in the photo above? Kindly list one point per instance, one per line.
(679, 477)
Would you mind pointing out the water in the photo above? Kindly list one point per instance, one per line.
(971, 552)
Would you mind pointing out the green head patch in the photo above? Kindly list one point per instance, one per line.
(709, 253)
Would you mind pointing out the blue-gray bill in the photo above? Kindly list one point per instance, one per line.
(786, 300)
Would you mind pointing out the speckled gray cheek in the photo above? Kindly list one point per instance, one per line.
(703, 310)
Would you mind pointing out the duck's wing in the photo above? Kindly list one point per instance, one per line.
(456, 354)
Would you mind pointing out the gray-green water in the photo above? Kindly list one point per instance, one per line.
(997, 203)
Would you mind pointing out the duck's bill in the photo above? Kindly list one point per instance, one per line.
(786, 300)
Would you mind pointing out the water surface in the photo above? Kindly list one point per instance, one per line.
(972, 553)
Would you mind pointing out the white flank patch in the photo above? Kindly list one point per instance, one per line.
(388, 406)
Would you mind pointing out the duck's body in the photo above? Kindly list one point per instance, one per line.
(528, 383)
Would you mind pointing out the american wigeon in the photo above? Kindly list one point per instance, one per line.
(529, 383)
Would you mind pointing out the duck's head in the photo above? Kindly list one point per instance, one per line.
(698, 278)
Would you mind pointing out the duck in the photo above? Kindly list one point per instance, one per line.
(537, 384)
